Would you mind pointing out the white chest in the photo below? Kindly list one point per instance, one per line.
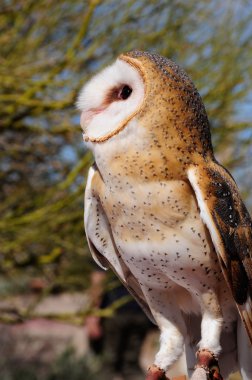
(160, 235)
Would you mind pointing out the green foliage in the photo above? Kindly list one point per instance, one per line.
(48, 49)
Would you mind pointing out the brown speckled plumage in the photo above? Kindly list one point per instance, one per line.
(166, 217)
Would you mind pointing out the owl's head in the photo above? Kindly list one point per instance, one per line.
(110, 99)
(152, 90)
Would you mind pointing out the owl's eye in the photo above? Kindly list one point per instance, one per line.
(124, 92)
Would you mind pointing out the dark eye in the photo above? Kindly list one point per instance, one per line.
(124, 92)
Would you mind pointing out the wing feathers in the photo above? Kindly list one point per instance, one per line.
(101, 242)
(230, 227)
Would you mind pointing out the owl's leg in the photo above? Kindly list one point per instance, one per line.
(207, 367)
(172, 327)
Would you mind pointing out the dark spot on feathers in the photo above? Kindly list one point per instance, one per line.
(239, 282)
(226, 211)
(238, 278)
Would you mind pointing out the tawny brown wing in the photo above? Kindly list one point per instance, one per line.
(230, 227)
(102, 246)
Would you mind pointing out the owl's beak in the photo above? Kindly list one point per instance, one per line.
(84, 121)
(87, 116)
(85, 137)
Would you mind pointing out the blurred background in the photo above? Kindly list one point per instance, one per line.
(49, 292)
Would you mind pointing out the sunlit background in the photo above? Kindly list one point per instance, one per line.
(48, 50)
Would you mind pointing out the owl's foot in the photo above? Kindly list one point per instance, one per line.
(207, 367)
(156, 373)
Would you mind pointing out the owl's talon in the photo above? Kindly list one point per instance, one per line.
(208, 361)
(156, 373)
(216, 376)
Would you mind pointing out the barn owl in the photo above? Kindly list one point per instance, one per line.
(165, 215)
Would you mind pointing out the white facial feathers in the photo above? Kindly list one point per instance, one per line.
(103, 108)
